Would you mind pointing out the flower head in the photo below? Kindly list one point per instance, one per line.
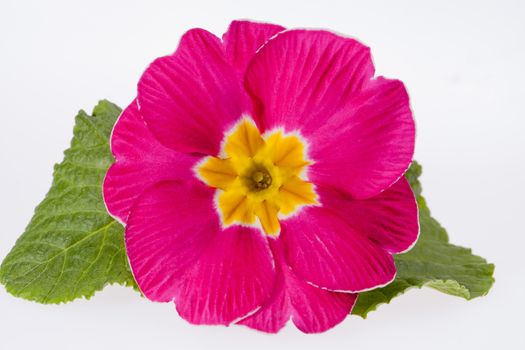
(259, 177)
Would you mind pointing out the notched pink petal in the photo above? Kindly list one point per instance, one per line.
(300, 77)
(178, 251)
(275, 311)
(317, 310)
(244, 38)
(368, 144)
(312, 309)
(325, 251)
(233, 277)
(170, 227)
(190, 98)
(389, 219)
(140, 161)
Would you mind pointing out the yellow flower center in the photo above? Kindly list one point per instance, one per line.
(258, 179)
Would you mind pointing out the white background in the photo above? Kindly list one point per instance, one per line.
(463, 64)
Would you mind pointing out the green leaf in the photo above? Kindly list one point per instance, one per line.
(72, 247)
(432, 262)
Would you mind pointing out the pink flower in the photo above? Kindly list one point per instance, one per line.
(259, 177)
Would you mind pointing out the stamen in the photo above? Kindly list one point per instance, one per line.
(257, 178)
(261, 179)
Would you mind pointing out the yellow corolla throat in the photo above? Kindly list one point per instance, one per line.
(258, 178)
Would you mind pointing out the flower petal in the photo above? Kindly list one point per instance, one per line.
(390, 219)
(233, 278)
(300, 77)
(177, 251)
(170, 226)
(312, 309)
(317, 310)
(141, 161)
(367, 145)
(322, 249)
(244, 38)
(190, 98)
(275, 311)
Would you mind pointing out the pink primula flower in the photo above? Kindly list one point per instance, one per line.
(260, 177)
